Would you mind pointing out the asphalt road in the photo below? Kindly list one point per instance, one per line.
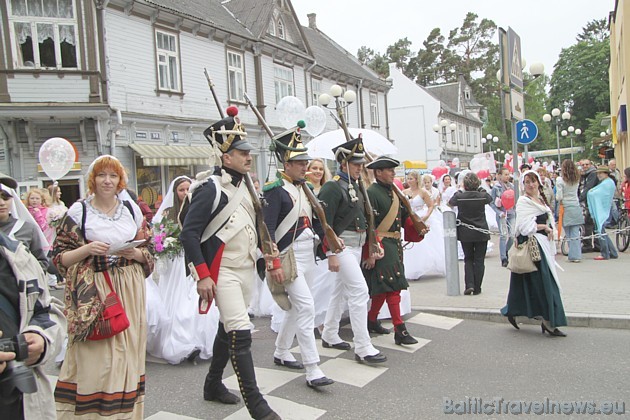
(472, 360)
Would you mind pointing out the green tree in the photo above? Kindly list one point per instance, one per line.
(426, 67)
(579, 82)
(377, 62)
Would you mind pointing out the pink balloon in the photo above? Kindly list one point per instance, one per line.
(507, 199)
(438, 171)
(399, 184)
(483, 174)
(530, 159)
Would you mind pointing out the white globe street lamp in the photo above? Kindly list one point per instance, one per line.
(442, 128)
(558, 116)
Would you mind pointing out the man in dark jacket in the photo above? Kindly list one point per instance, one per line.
(220, 240)
(470, 205)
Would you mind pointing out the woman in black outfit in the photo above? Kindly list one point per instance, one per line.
(471, 210)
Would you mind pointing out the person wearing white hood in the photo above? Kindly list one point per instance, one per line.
(536, 294)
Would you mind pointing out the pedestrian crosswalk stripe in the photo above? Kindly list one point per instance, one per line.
(434, 321)
(326, 352)
(287, 410)
(351, 372)
(267, 379)
(163, 415)
(387, 341)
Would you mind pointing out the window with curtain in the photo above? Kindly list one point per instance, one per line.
(236, 75)
(44, 33)
(283, 82)
(316, 88)
(280, 32)
(167, 56)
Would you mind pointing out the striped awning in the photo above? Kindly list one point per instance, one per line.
(158, 155)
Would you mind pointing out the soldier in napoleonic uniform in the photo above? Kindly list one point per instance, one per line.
(289, 218)
(220, 239)
(386, 277)
(345, 211)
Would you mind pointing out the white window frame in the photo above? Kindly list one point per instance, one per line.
(33, 22)
(374, 109)
(281, 32)
(468, 135)
(169, 56)
(236, 76)
(316, 89)
(283, 82)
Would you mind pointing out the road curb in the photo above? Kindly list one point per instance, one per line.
(494, 315)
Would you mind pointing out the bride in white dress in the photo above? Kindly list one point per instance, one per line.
(176, 330)
(425, 258)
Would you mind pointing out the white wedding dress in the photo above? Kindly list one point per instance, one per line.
(176, 329)
(427, 257)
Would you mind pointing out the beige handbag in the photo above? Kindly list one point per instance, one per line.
(278, 292)
(520, 258)
(534, 250)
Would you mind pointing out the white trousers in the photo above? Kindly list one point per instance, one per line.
(350, 284)
(234, 291)
(300, 318)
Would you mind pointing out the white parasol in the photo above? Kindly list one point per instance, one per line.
(374, 142)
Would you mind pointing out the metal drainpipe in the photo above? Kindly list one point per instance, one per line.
(387, 123)
(102, 41)
(360, 110)
(306, 72)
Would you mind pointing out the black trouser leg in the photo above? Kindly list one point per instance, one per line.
(213, 386)
(240, 343)
(469, 266)
(479, 263)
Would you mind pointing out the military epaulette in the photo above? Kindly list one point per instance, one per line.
(273, 184)
(336, 178)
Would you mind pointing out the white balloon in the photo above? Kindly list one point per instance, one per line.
(315, 120)
(56, 156)
(290, 111)
(442, 163)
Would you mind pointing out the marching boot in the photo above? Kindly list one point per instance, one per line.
(240, 343)
(213, 388)
(402, 336)
(376, 327)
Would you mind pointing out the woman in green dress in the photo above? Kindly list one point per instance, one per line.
(536, 294)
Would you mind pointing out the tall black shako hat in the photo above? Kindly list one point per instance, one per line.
(351, 151)
(288, 145)
(228, 134)
(383, 162)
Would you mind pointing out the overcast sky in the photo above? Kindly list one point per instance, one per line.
(545, 26)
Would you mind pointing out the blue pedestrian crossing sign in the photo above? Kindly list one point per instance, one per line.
(526, 131)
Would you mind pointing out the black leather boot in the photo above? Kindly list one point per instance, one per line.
(213, 388)
(377, 328)
(240, 343)
(402, 336)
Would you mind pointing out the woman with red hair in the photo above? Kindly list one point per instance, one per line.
(102, 377)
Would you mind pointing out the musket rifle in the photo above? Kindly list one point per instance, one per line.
(331, 238)
(267, 245)
(374, 246)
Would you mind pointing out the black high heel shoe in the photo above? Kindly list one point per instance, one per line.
(512, 321)
(555, 333)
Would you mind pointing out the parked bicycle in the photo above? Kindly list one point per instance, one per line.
(622, 226)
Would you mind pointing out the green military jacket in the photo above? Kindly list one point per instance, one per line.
(388, 275)
(341, 212)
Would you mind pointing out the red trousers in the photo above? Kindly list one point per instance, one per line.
(393, 302)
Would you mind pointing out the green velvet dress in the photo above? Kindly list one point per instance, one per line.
(536, 294)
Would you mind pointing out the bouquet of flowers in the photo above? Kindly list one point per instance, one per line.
(166, 239)
(55, 214)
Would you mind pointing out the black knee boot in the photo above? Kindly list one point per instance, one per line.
(213, 388)
(240, 343)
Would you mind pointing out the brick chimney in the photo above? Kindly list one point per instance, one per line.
(312, 20)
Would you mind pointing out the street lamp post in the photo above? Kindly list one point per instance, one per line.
(337, 93)
(569, 132)
(442, 127)
(558, 116)
(489, 139)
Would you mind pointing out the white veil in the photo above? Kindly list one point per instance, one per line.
(167, 202)
(20, 212)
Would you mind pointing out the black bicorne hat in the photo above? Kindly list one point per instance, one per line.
(383, 162)
(228, 134)
(350, 151)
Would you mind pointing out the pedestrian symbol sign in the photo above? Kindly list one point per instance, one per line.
(515, 63)
(526, 131)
